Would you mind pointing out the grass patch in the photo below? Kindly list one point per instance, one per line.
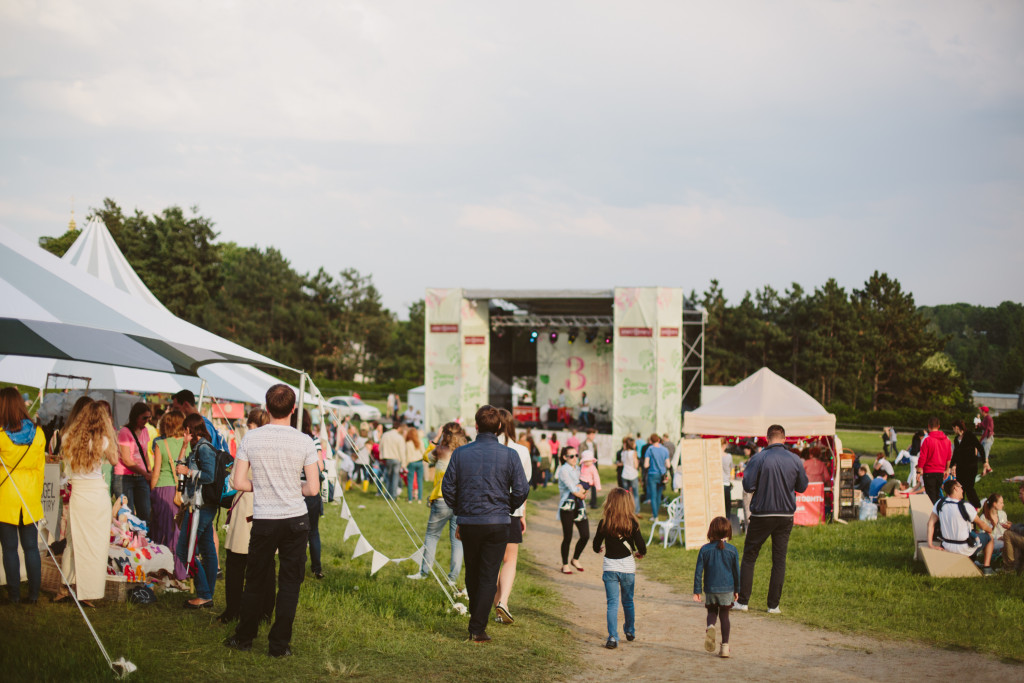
(861, 577)
(348, 626)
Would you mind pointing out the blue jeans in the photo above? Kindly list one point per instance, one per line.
(9, 536)
(136, 489)
(415, 469)
(614, 583)
(654, 489)
(205, 577)
(441, 514)
(392, 476)
(633, 487)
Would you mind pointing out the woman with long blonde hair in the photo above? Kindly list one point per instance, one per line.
(517, 525)
(452, 436)
(163, 482)
(88, 441)
(413, 463)
(618, 534)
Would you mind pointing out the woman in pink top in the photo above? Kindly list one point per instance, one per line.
(815, 468)
(131, 473)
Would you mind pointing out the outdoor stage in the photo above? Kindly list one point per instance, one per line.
(635, 352)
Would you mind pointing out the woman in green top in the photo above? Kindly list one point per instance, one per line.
(162, 528)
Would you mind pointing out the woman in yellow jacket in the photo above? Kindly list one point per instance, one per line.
(24, 460)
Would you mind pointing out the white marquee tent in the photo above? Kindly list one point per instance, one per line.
(759, 401)
(54, 316)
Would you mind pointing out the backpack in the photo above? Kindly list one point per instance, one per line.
(963, 513)
(214, 493)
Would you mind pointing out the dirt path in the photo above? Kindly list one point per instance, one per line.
(670, 635)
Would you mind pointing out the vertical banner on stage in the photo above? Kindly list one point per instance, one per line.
(443, 356)
(635, 400)
(701, 462)
(810, 505)
(670, 362)
(575, 367)
(475, 337)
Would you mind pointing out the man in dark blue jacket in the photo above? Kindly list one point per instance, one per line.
(773, 475)
(484, 484)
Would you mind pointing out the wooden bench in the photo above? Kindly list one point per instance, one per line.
(937, 562)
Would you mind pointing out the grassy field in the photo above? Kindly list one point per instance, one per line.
(350, 625)
(861, 577)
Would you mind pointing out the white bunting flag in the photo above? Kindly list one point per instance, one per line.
(345, 512)
(378, 562)
(362, 547)
(417, 556)
(350, 530)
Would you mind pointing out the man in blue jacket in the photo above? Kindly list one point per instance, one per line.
(774, 476)
(484, 484)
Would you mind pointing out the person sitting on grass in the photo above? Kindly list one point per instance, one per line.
(882, 484)
(882, 465)
(1013, 543)
(954, 516)
(864, 481)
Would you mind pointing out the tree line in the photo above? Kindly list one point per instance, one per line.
(866, 349)
(333, 326)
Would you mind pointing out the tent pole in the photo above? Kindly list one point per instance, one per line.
(202, 395)
(302, 400)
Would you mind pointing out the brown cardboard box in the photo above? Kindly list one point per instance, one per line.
(891, 506)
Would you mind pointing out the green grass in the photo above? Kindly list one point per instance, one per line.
(350, 625)
(861, 577)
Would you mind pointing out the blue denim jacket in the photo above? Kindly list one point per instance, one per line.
(720, 569)
(201, 461)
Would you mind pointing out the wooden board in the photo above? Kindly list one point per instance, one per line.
(701, 463)
(948, 565)
(920, 511)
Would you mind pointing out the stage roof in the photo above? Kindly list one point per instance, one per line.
(552, 301)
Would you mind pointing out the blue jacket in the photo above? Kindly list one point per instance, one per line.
(201, 461)
(720, 569)
(484, 482)
(772, 476)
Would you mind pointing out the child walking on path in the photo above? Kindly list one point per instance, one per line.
(619, 530)
(718, 563)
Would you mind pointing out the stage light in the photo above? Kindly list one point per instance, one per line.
(553, 337)
(591, 336)
(608, 338)
(533, 336)
(573, 333)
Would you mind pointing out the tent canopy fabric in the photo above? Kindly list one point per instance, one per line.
(49, 308)
(759, 401)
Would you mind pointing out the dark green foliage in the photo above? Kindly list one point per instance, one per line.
(869, 349)
(58, 246)
(987, 344)
(1010, 422)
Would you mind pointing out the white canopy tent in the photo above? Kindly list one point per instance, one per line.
(96, 253)
(759, 401)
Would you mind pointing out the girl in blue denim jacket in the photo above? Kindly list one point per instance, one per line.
(718, 563)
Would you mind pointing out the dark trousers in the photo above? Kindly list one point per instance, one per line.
(933, 485)
(287, 537)
(728, 500)
(135, 488)
(10, 535)
(568, 519)
(760, 528)
(593, 498)
(966, 477)
(234, 581)
(315, 508)
(483, 546)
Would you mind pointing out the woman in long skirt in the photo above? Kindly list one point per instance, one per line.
(88, 441)
(166, 447)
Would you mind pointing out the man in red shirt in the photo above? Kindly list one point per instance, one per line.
(933, 464)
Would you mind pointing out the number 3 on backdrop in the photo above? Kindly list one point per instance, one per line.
(577, 380)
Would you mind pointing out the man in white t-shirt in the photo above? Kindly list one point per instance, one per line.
(278, 455)
(882, 465)
(955, 516)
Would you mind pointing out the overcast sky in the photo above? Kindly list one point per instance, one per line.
(539, 144)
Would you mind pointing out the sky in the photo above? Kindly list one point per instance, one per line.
(539, 144)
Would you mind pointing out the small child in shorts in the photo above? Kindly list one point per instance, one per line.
(718, 564)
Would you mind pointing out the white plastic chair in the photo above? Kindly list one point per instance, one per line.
(672, 528)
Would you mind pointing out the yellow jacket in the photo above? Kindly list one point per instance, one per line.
(28, 477)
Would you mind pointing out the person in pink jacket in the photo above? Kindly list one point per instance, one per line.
(933, 464)
(589, 474)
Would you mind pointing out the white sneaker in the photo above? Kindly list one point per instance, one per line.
(461, 594)
(724, 652)
(709, 639)
(415, 577)
(774, 610)
(739, 607)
